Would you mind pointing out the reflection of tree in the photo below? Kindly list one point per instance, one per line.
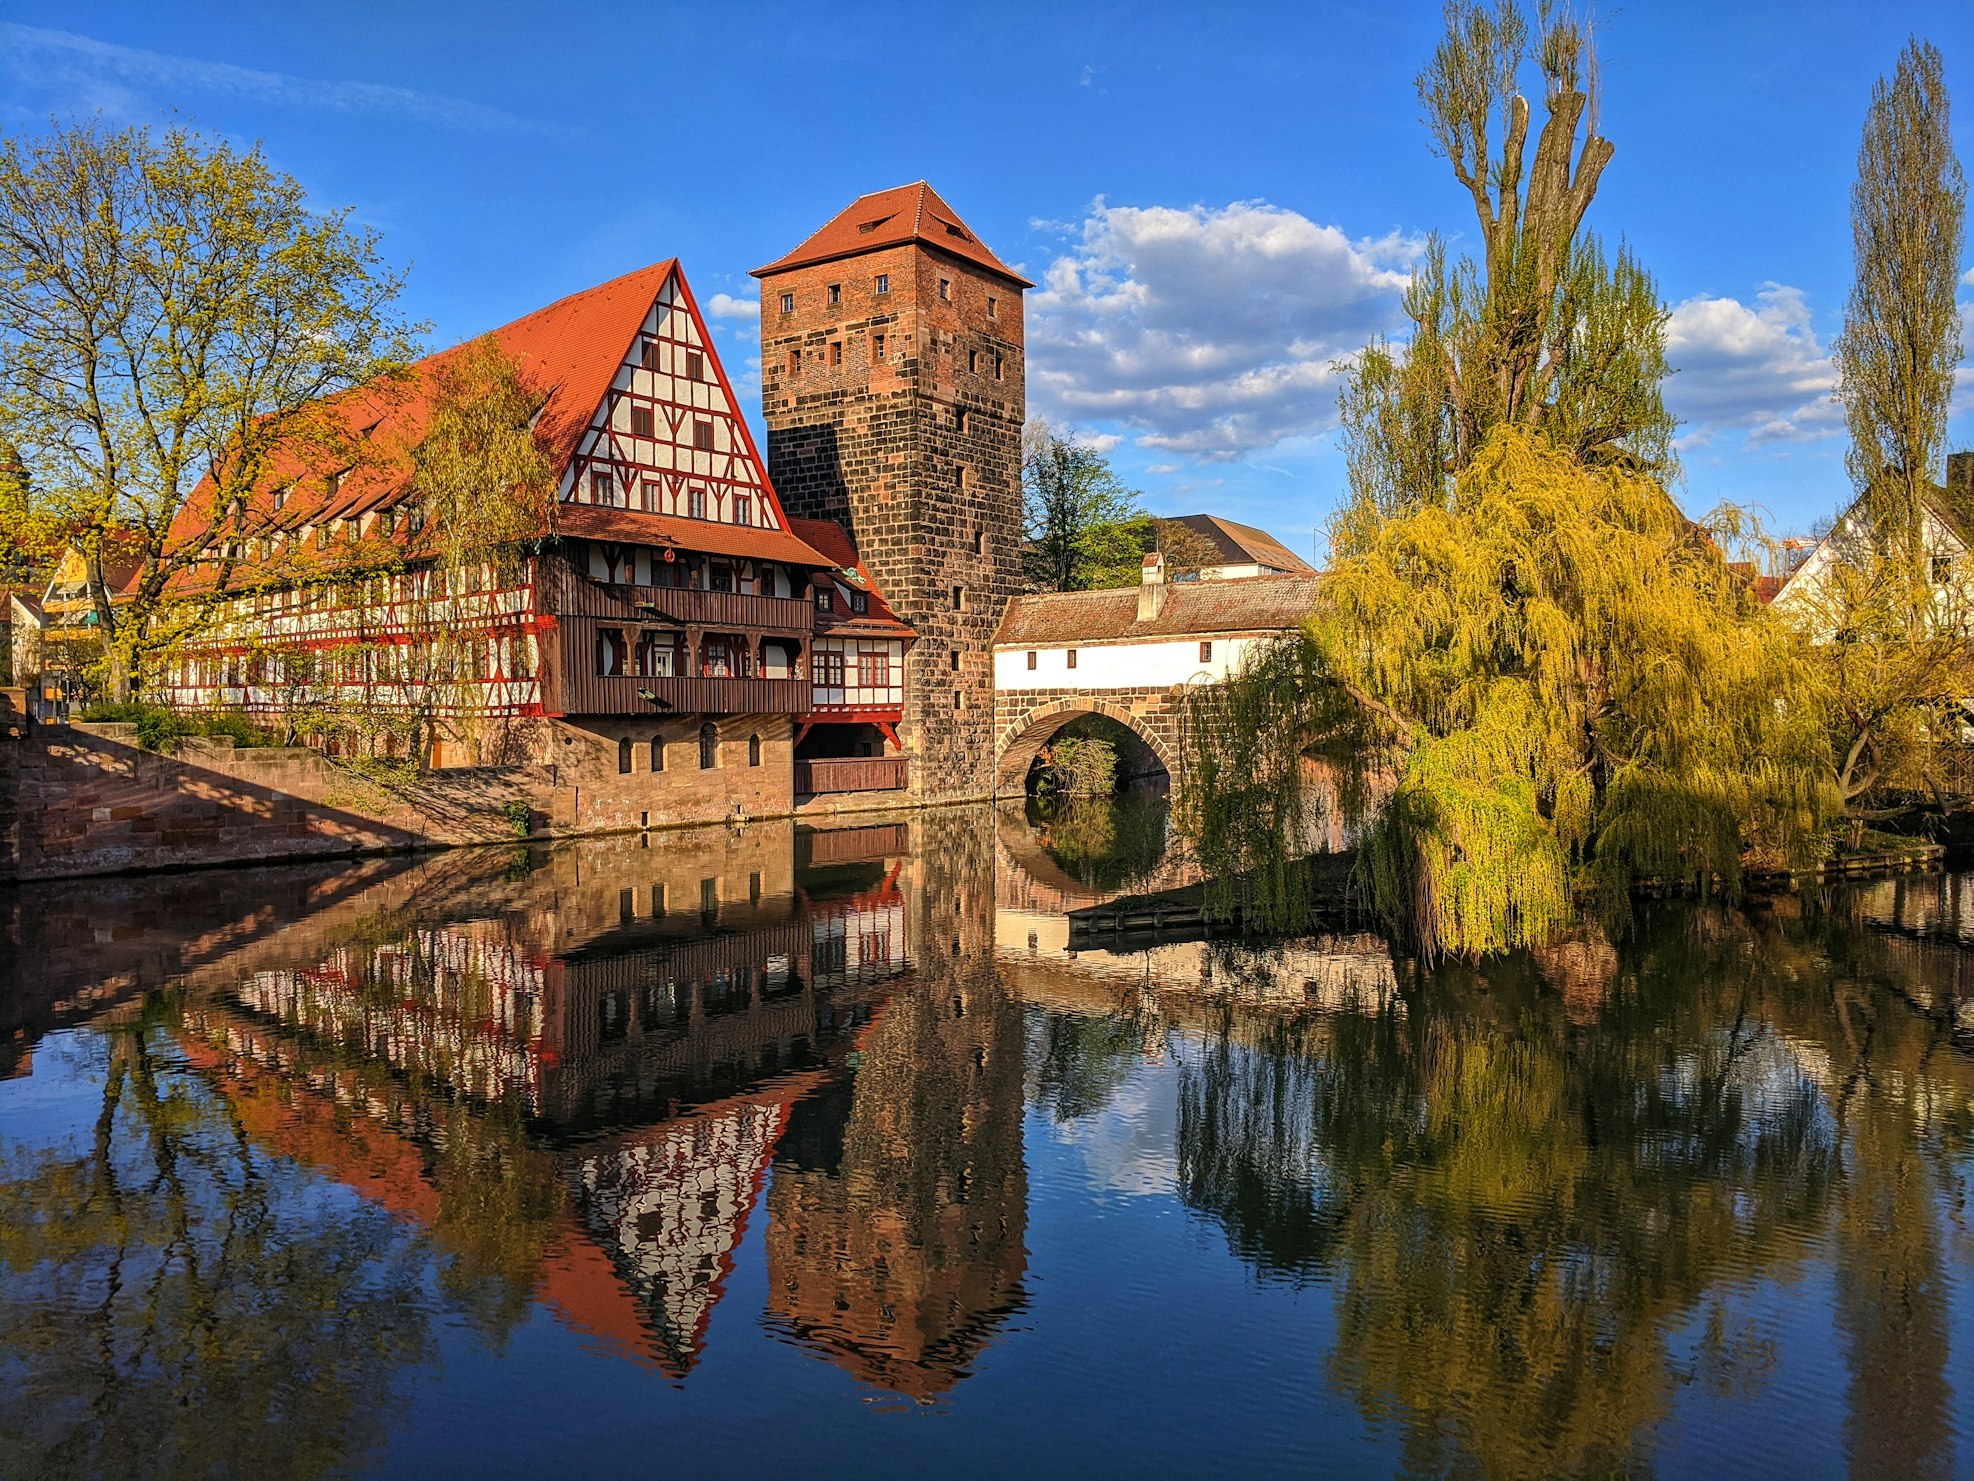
(1081, 1060)
(177, 1302)
(1520, 1211)
(1107, 843)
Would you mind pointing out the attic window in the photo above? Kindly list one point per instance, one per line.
(954, 231)
(859, 603)
(865, 228)
(695, 365)
(648, 355)
(702, 434)
(373, 426)
(335, 481)
(641, 421)
(280, 497)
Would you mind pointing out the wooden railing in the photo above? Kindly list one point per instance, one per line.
(623, 694)
(569, 593)
(850, 774)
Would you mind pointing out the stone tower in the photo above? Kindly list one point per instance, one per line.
(892, 387)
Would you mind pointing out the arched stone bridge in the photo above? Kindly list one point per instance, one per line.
(1129, 655)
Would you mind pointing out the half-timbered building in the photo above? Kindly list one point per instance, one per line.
(666, 620)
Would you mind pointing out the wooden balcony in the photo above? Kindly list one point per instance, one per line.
(720, 609)
(623, 694)
(850, 774)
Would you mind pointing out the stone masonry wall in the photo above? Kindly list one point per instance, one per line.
(918, 451)
(1026, 719)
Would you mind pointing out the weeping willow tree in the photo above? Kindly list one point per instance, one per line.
(1551, 680)
(1563, 687)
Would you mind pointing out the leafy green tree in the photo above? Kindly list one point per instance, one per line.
(1901, 338)
(1545, 331)
(1074, 510)
(171, 308)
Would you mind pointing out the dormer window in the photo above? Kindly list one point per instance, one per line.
(823, 602)
(280, 497)
(859, 603)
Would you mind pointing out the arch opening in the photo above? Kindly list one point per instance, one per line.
(1065, 749)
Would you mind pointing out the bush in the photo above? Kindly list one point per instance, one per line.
(520, 817)
(160, 728)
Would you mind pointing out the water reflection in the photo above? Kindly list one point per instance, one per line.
(287, 1130)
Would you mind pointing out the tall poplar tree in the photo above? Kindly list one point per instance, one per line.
(1901, 339)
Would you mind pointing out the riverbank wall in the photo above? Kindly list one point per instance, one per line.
(79, 800)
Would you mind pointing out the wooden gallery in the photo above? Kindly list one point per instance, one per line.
(693, 629)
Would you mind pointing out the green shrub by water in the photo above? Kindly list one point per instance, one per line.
(160, 728)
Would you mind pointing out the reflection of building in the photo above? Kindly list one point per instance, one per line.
(898, 1209)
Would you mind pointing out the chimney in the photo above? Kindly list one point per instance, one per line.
(1151, 588)
(1960, 476)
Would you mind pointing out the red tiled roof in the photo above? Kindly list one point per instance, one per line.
(828, 537)
(571, 350)
(891, 218)
(1259, 604)
(635, 527)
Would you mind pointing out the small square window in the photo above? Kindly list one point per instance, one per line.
(641, 421)
(648, 354)
(945, 290)
(883, 284)
(1071, 657)
(695, 365)
(1031, 658)
(1206, 652)
(788, 303)
(836, 352)
(835, 294)
(702, 434)
(823, 603)
(877, 348)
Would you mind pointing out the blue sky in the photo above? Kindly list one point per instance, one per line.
(1216, 201)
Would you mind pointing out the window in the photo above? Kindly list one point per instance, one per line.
(602, 488)
(973, 362)
(709, 748)
(959, 599)
(648, 354)
(835, 294)
(657, 764)
(641, 421)
(945, 290)
(702, 434)
(873, 669)
(281, 495)
(652, 495)
(719, 576)
(877, 349)
(829, 670)
(823, 603)
(959, 476)
(695, 365)
(743, 509)
(695, 503)
(624, 756)
(794, 361)
(859, 603)
(612, 652)
(956, 660)
(754, 745)
(959, 419)
(1206, 652)
(1072, 658)
(990, 305)
(980, 541)
(335, 481)
(997, 367)
(788, 303)
(883, 283)
(836, 352)
(1031, 658)
(959, 700)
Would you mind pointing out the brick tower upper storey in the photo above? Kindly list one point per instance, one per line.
(892, 376)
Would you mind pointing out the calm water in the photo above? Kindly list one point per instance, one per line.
(722, 1154)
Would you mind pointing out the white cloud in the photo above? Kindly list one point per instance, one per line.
(726, 306)
(98, 67)
(1100, 442)
(1209, 331)
(1758, 370)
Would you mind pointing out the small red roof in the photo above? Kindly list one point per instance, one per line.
(827, 536)
(891, 218)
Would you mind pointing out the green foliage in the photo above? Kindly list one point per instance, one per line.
(159, 728)
(171, 309)
(1077, 517)
(1079, 765)
(520, 817)
(1565, 688)
(483, 479)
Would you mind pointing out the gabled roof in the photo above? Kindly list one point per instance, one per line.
(891, 218)
(1264, 604)
(1240, 544)
(879, 620)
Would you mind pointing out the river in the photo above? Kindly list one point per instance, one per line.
(738, 1152)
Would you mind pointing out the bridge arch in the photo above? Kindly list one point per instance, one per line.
(1022, 738)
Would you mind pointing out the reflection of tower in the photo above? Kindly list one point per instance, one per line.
(898, 1208)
